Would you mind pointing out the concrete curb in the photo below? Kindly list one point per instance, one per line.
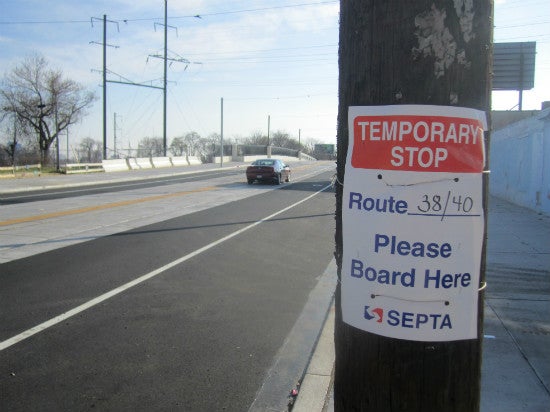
(294, 357)
(316, 385)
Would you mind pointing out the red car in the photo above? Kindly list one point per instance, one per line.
(270, 170)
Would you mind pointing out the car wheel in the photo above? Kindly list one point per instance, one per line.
(278, 180)
(287, 178)
(250, 181)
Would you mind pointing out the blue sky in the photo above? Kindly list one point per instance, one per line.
(265, 58)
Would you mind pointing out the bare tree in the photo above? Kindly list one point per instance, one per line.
(43, 99)
(9, 149)
(19, 147)
(256, 138)
(178, 146)
(150, 146)
(283, 139)
(208, 147)
(90, 150)
(192, 140)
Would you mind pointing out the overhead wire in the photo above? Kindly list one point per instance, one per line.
(197, 15)
(269, 55)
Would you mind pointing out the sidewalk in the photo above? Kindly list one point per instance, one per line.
(516, 347)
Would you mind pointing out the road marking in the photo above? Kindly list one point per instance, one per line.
(101, 207)
(91, 303)
(51, 215)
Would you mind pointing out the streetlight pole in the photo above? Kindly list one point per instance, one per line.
(14, 141)
(40, 128)
(165, 74)
(268, 126)
(56, 141)
(104, 86)
(221, 133)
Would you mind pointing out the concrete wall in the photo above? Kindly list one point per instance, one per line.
(194, 160)
(161, 162)
(180, 161)
(520, 162)
(285, 159)
(115, 165)
(502, 118)
(226, 159)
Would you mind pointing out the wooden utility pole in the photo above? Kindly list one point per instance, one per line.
(164, 79)
(394, 52)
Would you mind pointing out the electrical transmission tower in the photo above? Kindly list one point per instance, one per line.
(164, 57)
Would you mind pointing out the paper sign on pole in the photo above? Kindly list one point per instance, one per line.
(413, 221)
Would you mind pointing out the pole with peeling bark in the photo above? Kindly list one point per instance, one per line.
(394, 52)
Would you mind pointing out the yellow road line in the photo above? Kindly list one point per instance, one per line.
(101, 207)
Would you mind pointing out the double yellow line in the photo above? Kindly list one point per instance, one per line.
(101, 207)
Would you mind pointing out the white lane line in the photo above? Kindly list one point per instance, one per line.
(64, 316)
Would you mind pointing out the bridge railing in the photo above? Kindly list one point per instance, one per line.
(238, 153)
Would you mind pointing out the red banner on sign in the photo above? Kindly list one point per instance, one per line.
(418, 143)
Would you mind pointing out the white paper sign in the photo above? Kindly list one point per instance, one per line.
(413, 221)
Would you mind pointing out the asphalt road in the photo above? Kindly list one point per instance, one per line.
(110, 187)
(216, 294)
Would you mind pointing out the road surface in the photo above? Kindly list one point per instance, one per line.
(188, 311)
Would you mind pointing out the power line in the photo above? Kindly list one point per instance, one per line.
(522, 25)
(305, 96)
(14, 22)
(228, 12)
(266, 50)
(198, 16)
(273, 59)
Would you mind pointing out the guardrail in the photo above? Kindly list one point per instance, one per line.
(72, 168)
(33, 168)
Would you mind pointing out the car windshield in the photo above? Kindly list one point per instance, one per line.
(264, 163)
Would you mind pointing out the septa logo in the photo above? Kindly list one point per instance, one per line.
(378, 312)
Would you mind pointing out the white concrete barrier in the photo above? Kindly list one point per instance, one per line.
(193, 160)
(144, 162)
(132, 162)
(140, 163)
(226, 159)
(115, 165)
(285, 159)
(179, 161)
(161, 162)
(251, 158)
